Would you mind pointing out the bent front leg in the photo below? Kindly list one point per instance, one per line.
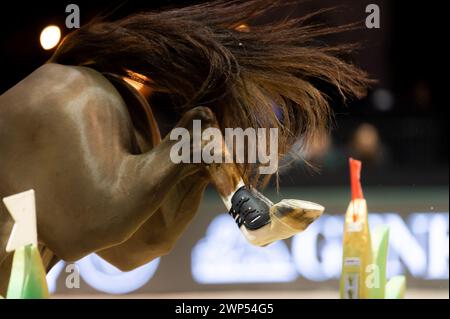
(159, 234)
(261, 221)
(146, 180)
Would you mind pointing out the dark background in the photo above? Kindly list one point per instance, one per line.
(399, 131)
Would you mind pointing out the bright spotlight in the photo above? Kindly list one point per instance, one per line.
(50, 37)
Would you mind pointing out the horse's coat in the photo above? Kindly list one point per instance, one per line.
(98, 187)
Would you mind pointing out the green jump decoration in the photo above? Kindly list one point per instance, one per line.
(380, 242)
(28, 276)
(396, 288)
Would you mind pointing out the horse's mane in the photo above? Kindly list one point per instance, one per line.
(252, 75)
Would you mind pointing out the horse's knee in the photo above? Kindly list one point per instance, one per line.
(127, 264)
(142, 258)
(76, 245)
(130, 257)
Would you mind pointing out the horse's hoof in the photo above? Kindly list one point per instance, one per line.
(263, 222)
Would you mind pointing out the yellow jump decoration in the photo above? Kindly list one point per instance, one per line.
(365, 256)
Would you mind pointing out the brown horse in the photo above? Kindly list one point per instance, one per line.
(96, 150)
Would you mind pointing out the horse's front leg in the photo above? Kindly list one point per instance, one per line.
(142, 184)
